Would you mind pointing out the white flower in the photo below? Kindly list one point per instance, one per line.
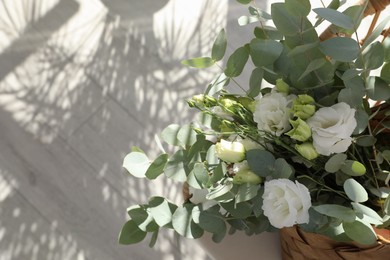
(332, 128)
(272, 113)
(286, 203)
(230, 151)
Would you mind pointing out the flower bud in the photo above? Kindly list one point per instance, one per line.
(229, 104)
(243, 174)
(230, 151)
(247, 176)
(282, 86)
(301, 130)
(307, 150)
(303, 107)
(248, 103)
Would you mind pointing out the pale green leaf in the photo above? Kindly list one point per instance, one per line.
(298, 7)
(265, 52)
(261, 162)
(255, 82)
(335, 17)
(313, 65)
(136, 164)
(335, 162)
(183, 223)
(157, 167)
(219, 46)
(169, 134)
(372, 57)
(336, 211)
(360, 232)
(174, 168)
(246, 192)
(236, 62)
(355, 191)
(161, 210)
(378, 89)
(131, 233)
(199, 63)
(340, 48)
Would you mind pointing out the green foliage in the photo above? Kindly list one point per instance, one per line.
(231, 194)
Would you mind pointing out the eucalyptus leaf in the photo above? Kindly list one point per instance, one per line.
(161, 210)
(386, 205)
(255, 82)
(217, 84)
(298, 7)
(240, 210)
(199, 63)
(153, 239)
(212, 221)
(186, 135)
(219, 46)
(372, 57)
(360, 232)
(183, 223)
(366, 140)
(355, 191)
(169, 134)
(385, 72)
(136, 163)
(335, 17)
(313, 65)
(142, 218)
(287, 23)
(261, 162)
(131, 234)
(340, 48)
(245, 2)
(267, 32)
(175, 168)
(376, 32)
(362, 209)
(282, 169)
(221, 190)
(335, 162)
(353, 168)
(246, 192)
(244, 20)
(236, 62)
(377, 88)
(303, 48)
(157, 167)
(265, 52)
(336, 211)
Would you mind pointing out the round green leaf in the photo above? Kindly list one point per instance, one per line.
(335, 162)
(298, 7)
(219, 46)
(265, 52)
(186, 135)
(372, 57)
(336, 211)
(385, 72)
(261, 162)
(212, 221)
(157, 167)
(355, 191)
(142, 218)
(199, 63)
(255, 82)
(136, 163)
(183, 223)
(368, 214)
(340, 48)
(169, 134)
(360, 232)
(161, 210)
(335, 17)
(377, 88)
(174, 168)
(131, 233)
(366, 140)
(236, 62)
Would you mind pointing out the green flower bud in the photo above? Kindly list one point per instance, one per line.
(229, 104)
(301, 130)
(232, 152)
(247, 176)
(282, 86)
(248, 103)
(303, 107)
(307, 150)
(304, 111)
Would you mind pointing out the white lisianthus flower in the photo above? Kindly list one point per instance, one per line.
(272, 113)
(332, 128)
(286, 203)
(232, 152)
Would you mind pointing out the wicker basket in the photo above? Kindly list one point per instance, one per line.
(299, 245)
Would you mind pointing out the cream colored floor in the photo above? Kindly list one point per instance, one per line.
(81, 81)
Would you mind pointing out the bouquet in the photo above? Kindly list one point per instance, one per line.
(311, 151)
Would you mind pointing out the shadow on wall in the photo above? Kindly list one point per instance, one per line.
(87, 87)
